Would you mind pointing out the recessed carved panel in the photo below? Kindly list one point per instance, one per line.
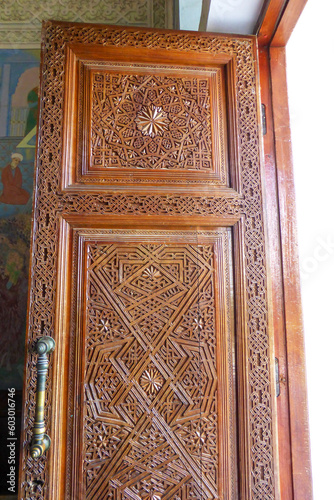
(153, 342)
(150, 122)
(144, 124)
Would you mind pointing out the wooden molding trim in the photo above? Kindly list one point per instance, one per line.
(270, 21)
(296, 376)
(278, 22)
(275, 284)
(288, 22)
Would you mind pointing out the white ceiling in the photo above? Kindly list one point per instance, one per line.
(224, 16)
(190, 14)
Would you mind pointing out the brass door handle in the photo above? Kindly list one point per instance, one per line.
(41, 441)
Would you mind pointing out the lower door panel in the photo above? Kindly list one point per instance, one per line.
(150, 409)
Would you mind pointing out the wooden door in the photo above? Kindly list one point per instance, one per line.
(149, 270)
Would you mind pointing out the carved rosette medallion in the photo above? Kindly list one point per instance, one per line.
(152, 121)
(151, 381)
(151, 273)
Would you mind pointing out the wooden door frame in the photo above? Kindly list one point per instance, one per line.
(279, 200)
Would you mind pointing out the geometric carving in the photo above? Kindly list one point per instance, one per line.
(150, 122)
(52, 203)
(151, 389)
(141, 204)
(144, 123)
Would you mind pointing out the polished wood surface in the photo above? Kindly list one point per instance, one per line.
(287, 23)
(270, 21)
(278, 22)
(300, 446)
(295, 476)
(276, 282)
(103, 246)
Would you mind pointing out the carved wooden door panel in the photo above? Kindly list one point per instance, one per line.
(148, 270)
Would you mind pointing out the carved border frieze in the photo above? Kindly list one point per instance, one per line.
(219, 241)
(51, 202)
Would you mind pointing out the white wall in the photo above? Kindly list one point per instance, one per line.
(310, 68)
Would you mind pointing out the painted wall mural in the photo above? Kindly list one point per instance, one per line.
(19, 76)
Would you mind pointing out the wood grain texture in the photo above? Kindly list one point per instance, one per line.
(300, 447)
(276, 281)
(288, 21)
(62, 208)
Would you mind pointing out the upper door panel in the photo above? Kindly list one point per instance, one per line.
(136, 120)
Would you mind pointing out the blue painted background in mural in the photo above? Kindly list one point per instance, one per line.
(19, 79)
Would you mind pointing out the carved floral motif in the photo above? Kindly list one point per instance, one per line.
(151, 381)
(150, 121)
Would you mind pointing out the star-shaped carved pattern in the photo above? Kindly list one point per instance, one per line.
(151, 381)
(104, 444)
(104, 325)
(152, 121)
(140, 122)
(151, 273)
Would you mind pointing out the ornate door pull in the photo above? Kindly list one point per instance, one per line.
(41, 441)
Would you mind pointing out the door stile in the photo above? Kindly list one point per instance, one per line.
(270, 214)
(60, 391)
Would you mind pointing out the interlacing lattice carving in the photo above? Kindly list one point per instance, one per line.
(151, 416)
(148, 121)
(150, 205)
(153, 118)
(50, 203)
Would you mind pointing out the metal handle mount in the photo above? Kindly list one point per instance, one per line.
(41, 441)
